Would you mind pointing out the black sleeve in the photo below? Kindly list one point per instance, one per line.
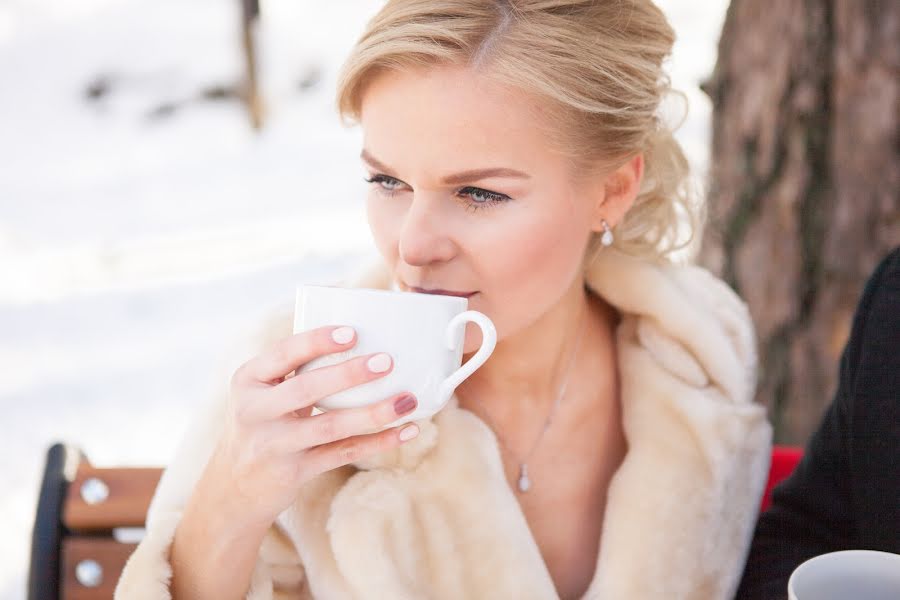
(812, 511)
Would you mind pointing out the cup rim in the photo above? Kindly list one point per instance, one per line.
(464, 302)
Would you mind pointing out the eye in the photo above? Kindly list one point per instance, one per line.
(386, 184)
(480, 198)
(477, 198)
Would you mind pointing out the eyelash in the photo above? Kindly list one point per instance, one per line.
(493, 198)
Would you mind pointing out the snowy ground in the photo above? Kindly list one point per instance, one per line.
(136, 252)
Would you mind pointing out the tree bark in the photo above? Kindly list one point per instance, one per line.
(803, 191)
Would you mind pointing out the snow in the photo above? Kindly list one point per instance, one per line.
(136, 253)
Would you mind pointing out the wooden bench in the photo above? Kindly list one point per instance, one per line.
(85, 517)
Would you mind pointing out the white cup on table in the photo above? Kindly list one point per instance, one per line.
(847, 575)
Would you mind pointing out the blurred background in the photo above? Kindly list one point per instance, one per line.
(147, 227)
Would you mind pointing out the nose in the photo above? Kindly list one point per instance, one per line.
(424, 238)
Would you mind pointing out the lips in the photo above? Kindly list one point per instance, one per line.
(440, 292)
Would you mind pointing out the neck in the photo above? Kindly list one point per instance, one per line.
(529, 366)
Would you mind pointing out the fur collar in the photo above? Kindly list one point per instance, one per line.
(436, 518)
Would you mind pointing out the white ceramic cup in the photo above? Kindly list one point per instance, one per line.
(848, 574)
(423, 333)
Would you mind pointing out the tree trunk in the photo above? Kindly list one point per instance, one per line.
(803, 192)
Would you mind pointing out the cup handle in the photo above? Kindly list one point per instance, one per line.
(489, 341)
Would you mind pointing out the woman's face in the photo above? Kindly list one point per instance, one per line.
(466, 196)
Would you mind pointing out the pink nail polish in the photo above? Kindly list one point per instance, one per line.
(379, 363)
(405, 404)
(409, 432)
(343, 335)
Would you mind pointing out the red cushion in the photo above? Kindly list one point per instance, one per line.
(784, 460)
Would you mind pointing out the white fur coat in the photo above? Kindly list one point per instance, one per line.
(436, 519)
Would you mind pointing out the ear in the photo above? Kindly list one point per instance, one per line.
(617, 192)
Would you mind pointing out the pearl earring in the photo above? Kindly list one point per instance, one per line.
(607, 238)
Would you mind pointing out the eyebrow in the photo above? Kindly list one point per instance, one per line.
(456, 178)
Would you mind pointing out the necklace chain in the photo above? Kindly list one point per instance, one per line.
(524, 481)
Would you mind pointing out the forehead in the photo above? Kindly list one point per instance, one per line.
(450, 114)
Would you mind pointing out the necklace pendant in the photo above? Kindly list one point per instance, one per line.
(524, 481)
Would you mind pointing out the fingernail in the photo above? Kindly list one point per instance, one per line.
(342, 335)
(409, 432)
(379, 363)
(404, 404)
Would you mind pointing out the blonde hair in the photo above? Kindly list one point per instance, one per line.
(597, 64)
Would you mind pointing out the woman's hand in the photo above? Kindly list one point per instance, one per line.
(271, 445)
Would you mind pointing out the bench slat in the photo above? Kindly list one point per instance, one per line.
(107, 552)
(130, 491)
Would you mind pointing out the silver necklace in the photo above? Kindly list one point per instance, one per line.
(524, 481)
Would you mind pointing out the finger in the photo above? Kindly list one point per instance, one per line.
(337, 454)
(277, 361)
(308, 387)
(340, 424)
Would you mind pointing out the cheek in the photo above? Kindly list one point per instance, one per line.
(537, 265)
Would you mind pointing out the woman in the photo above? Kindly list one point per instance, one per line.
(609, 447)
